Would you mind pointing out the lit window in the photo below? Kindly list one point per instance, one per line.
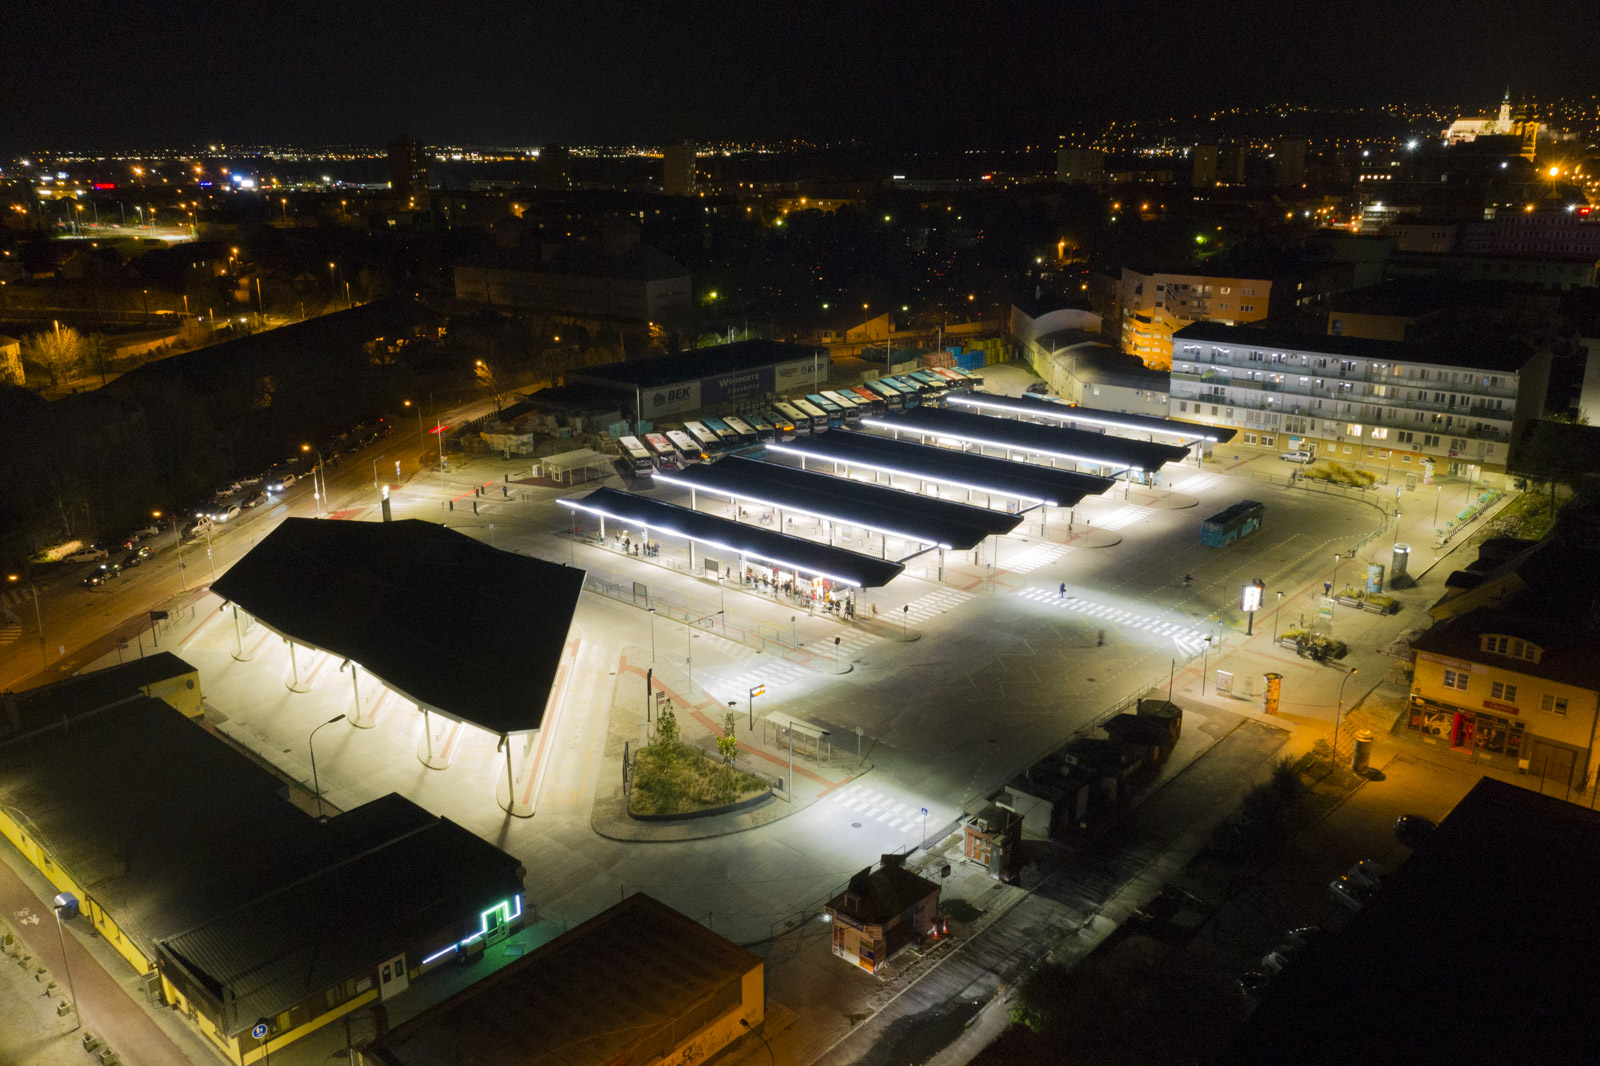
(1456, 679)
(1353, 429)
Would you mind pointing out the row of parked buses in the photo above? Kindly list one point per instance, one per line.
(818, 412)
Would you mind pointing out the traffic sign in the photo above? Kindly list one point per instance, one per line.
(759, 690)
(259, 1030)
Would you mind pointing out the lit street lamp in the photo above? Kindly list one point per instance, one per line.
(178, 533)
(315, 784)
(319, 467)
(1333, 757)
(37, 617)
(66, 907)
(1276, 614)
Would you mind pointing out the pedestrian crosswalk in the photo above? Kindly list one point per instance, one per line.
(764, 669)
(1033, 557)
(1124, 516)
(932, 605)
(1188, 639)
(852, 642)
(1196, 482)
(866, 805)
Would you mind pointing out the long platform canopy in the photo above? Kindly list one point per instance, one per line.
(947, 466)
(1056, 442)
(922, 519)
(1105, 421)
(374, 593)
(757, 543)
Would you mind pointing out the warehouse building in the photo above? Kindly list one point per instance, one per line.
(668, 385)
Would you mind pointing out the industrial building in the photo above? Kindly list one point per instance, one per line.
(666, 385)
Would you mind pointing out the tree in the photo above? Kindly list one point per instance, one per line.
(667, 730)
(60, 353)
(727, 743)
(491, 384)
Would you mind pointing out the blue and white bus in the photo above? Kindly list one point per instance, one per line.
(847, 402)
(910, 394)
(893, 398)
(709, 442)
(727, 436)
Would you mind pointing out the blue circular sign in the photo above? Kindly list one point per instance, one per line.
(259, 1031)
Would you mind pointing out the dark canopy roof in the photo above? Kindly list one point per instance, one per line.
(754, 542)
(660, 370)
(920, 518)
(368, 590)
(1059, 488)
(1118, 453)
(1097, 421)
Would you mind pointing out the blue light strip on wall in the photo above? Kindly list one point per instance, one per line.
(509, 909)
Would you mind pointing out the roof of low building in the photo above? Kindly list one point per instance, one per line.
(1059, 412)
(374, 592)
(884, 893)
(1497, 903)
(658, 370)
(47, 705)
(1117, 453)
(1497, 355)
(605, 992)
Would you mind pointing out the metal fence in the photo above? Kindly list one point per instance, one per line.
(707, 615)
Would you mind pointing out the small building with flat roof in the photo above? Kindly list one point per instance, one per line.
(637, 983)
(665, 385)
(882, 911)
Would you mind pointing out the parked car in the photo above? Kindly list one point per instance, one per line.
(228, 488)
(279, 483)
(1297, 457)
(225, 512)
(1038, 388)
(1367, 873)
(1413, 830)
(92, 580)
(254, 479)
(108, 570)
(198, 528)
(146, 532)
(135, 557)
(1351, 895)
(88, 555)
(253, 499)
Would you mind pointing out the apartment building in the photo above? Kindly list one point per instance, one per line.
(1421, 410)
(1152, 306)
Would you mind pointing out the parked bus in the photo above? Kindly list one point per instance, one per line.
(668, 461)
(728, 437)
(763, 425)
(790, 413)
(931, 383)
(869, 402)
(848, 402)
(745, 431)
(709, 442)
(892, 398)
(834, 413)
(954, 379)
(1228, 525)
(636, 455)
(910, 394)
(783, 429)
(686, 445)
(973, 376)
(820, 423)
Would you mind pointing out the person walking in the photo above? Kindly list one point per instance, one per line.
(1063, 590)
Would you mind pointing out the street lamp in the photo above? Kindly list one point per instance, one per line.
(1276, 614)
(178, 533)
(1204, 653)
(311, 742)
(37, 617)
(66, 907)
(652, 611)
(1333, 758)
(319, 467)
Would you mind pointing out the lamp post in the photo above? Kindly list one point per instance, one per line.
(1205, 652)
(67, 902)
(688, 652)
(1437, 497)
(1335, 582)
(38, 619)
(178, 533)
(652, 611)
(311, 742)
(1338, 711)
(1276, 614)
(319, 495)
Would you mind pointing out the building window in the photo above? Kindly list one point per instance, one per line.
(1379, 433)
(1456, 679)
(1347, 449)
(1497, 645)
(1183, 407)
(1353, 429)
(1249, 438)
(1268, 442)
(1501, 691)
(1553, 703)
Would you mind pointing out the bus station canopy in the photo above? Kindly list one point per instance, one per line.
(1031, 438)
(947, 466)
(375, 593)
(907, 515)
(806, 558)
(1102, 421)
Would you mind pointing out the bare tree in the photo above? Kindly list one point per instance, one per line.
(491, 384)
(60, 353)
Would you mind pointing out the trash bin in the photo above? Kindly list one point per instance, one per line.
(1363, 753)
(1398, 565)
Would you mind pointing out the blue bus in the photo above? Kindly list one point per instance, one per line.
(723, 432)
(910, 394)
(893, 399)
(1231, 523)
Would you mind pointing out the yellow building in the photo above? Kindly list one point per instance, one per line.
(1153, 306)
(1508, 675)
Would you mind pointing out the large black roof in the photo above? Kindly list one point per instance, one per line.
(1488, 352)
(751, 541)
(658, 370)
(1059, 488)
(1114, 421)
(367, 591)
(1533, 862)
(921, 518)
(1118, 453)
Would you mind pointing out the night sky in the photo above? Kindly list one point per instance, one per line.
(158, 73)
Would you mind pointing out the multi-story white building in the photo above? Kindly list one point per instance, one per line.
(1445, 409)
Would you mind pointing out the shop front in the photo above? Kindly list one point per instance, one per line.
(1482, 733)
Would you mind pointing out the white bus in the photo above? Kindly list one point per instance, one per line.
(668, 461)
(746, 432)
(801, 422)
(637, 456)
(817, 416)
(709, 442)
(847, 402)
(686, 446)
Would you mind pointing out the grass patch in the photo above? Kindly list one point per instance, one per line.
(1339, 474)
(1529, 517)
(675, 779)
